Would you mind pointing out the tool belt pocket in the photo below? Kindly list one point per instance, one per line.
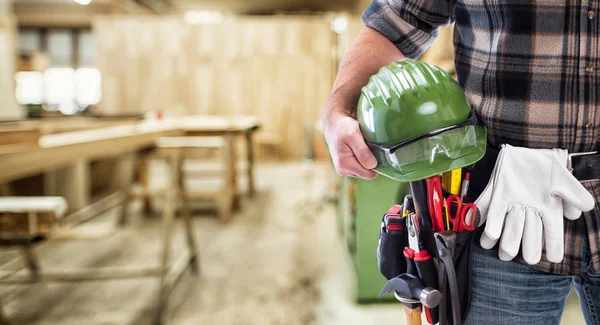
(390, 259)
(462, 264)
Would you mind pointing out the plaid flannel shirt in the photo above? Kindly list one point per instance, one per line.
(530, 70)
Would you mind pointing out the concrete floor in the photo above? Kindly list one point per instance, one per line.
(280, 261)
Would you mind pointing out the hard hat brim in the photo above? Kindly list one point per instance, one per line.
(439, 167)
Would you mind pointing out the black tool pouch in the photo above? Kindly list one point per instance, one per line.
(462, 266)
(390, 250)
(390, 258)
(480, 175)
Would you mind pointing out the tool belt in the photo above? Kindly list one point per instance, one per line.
(393, 263)
(391, 252)
(455, 285)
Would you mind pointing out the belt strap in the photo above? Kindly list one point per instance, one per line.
(584, 166)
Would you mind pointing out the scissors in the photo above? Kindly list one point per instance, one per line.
(459, 220)
(435, 198)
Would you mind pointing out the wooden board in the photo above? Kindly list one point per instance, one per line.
(277, 68)
(18, 135)
(63, 124)
(217, 124)
(9, 109)
(61, 150)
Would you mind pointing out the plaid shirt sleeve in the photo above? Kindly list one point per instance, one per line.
(410, 24)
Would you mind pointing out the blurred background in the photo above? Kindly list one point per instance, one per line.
(162, 162)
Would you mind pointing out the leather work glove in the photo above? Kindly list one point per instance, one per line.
(529, 192)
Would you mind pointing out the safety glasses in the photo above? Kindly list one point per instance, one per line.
(449, 143)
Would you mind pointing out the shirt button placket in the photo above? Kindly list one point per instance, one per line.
(590, 67)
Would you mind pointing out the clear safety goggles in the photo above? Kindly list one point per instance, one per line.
(444, 144)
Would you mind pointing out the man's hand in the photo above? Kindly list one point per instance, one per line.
(351, 155)
(368, 53)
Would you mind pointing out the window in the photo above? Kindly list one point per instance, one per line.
(70, 82)
(29, 87)
(60, 47)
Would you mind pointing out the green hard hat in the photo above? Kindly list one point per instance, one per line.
(418, 122)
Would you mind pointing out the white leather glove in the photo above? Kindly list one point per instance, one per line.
(529, 192)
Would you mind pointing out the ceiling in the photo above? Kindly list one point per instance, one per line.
(266, 6)
(70, 14)
(235, 6)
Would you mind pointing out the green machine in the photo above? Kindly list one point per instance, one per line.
(361, 204)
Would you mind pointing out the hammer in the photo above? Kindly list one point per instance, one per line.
(409, 290)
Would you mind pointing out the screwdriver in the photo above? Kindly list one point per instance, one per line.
(407, 206)
(419, 195)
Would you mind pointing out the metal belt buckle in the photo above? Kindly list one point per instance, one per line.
(577, 154)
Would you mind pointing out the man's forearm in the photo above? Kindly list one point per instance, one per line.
(368, 53)
(349, 153)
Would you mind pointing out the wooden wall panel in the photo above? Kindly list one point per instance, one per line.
(9, 109)
(279, 68)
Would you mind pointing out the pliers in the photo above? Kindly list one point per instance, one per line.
(420, 263)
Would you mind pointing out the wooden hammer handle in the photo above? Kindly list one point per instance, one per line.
(413, 315)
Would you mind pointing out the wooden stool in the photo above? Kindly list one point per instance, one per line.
(192, 147)
(172, 193)
(25, 220)
(36, 210)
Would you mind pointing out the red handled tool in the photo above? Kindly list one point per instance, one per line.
(435, 198)
(459, 218)
(465, 186)
(428, 274)
(393, 221)
(412, 225)
(420, 263)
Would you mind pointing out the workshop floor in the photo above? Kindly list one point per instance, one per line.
(278, 262)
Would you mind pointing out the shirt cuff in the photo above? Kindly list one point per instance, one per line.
(411, 36)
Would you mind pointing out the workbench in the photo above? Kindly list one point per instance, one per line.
(58, 150)
(74, 150)
(71, 152)
(237, 126)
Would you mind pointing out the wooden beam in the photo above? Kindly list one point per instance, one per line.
(91, 211)
(62, 149)
(157, 6)
(68, 14)
(71, 182)
(19, 135)
(65, 15)
(122, 7)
